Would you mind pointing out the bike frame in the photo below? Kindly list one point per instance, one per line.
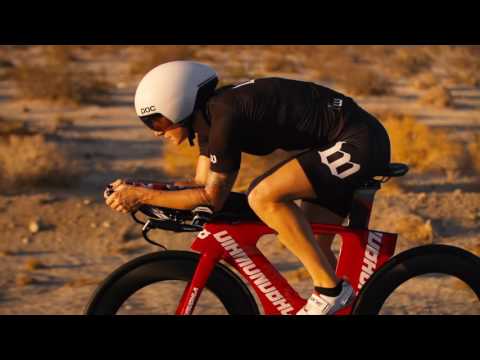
(362, 252)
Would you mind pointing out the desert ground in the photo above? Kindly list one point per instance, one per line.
(58, 239)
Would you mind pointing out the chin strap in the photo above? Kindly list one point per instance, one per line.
(191, 134)
(188, 124)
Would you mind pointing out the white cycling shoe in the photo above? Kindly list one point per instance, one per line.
(319, 304)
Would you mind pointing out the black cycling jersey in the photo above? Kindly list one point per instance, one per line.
(343, 145)
(260, 116)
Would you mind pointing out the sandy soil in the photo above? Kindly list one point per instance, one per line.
(81, 241)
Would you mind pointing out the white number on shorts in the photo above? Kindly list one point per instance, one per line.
(345, 159)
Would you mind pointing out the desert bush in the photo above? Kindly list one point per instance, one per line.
(61, 122)
(105, 50)
(425, 81)
(349, 68)
(33, 264)
(462, 65)
(6, 67)
(439, 97)
(363, 81)
(422, 147)
(24, 280)
(299, 274)
(179, 162)
(60, 83)
(237, 72)
(407, 62)
(28, 161)
(474, 151)
(414, 229)
(59, 55)
(393, 187)
(152, 56)
(10, 127)
(279, 63)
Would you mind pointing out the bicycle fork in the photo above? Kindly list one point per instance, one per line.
(194, 288)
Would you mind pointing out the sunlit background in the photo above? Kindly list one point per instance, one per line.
(68, 128)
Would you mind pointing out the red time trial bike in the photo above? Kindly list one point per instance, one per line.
(226, 262)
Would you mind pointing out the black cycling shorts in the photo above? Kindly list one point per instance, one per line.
(338, 168)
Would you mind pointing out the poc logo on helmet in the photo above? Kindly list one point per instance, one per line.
(148, 110)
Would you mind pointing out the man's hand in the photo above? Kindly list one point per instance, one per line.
(117, 183)
(126, 198)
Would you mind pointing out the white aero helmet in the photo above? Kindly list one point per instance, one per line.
(175, 89)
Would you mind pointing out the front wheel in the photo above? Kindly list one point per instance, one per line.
(154, 283)
(441, 260)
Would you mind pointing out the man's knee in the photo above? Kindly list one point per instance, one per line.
(261, 196)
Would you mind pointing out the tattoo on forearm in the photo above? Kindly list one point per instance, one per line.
(218, 187)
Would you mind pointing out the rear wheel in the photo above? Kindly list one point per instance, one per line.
(437, 262)
(154, 284)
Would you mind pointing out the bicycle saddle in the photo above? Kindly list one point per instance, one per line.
(393, 170)
(236, 208)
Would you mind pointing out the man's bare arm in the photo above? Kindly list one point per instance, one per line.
(214, 193)
(218, 187)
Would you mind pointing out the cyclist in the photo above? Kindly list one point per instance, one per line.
(341, 145)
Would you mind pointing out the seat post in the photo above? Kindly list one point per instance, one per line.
(362, 204)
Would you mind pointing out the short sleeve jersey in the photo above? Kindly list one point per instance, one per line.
(263, 115)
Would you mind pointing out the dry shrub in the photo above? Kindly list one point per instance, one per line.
(63, 83)
(474, 151)
(105, 50)
(179, 161)
(6, 67)
(237, 72)
(349, 68)
(462, 65)
(439, 97)
(27, 161)
(392, 188)
(363, 81)
(14, 127)
(279, 63)
(4, 63)
(60, 55)
(414, 229)
(297, 275)
(61, 122)
(152, 56)
(33, 264)
(425, 81)
(407, 62)
(24, 280)
(421, 147)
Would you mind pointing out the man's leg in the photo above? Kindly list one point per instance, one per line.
(272, 199)
(318, 214)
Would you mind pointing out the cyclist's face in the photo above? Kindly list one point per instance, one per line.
(161, 126)
(176, 135)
